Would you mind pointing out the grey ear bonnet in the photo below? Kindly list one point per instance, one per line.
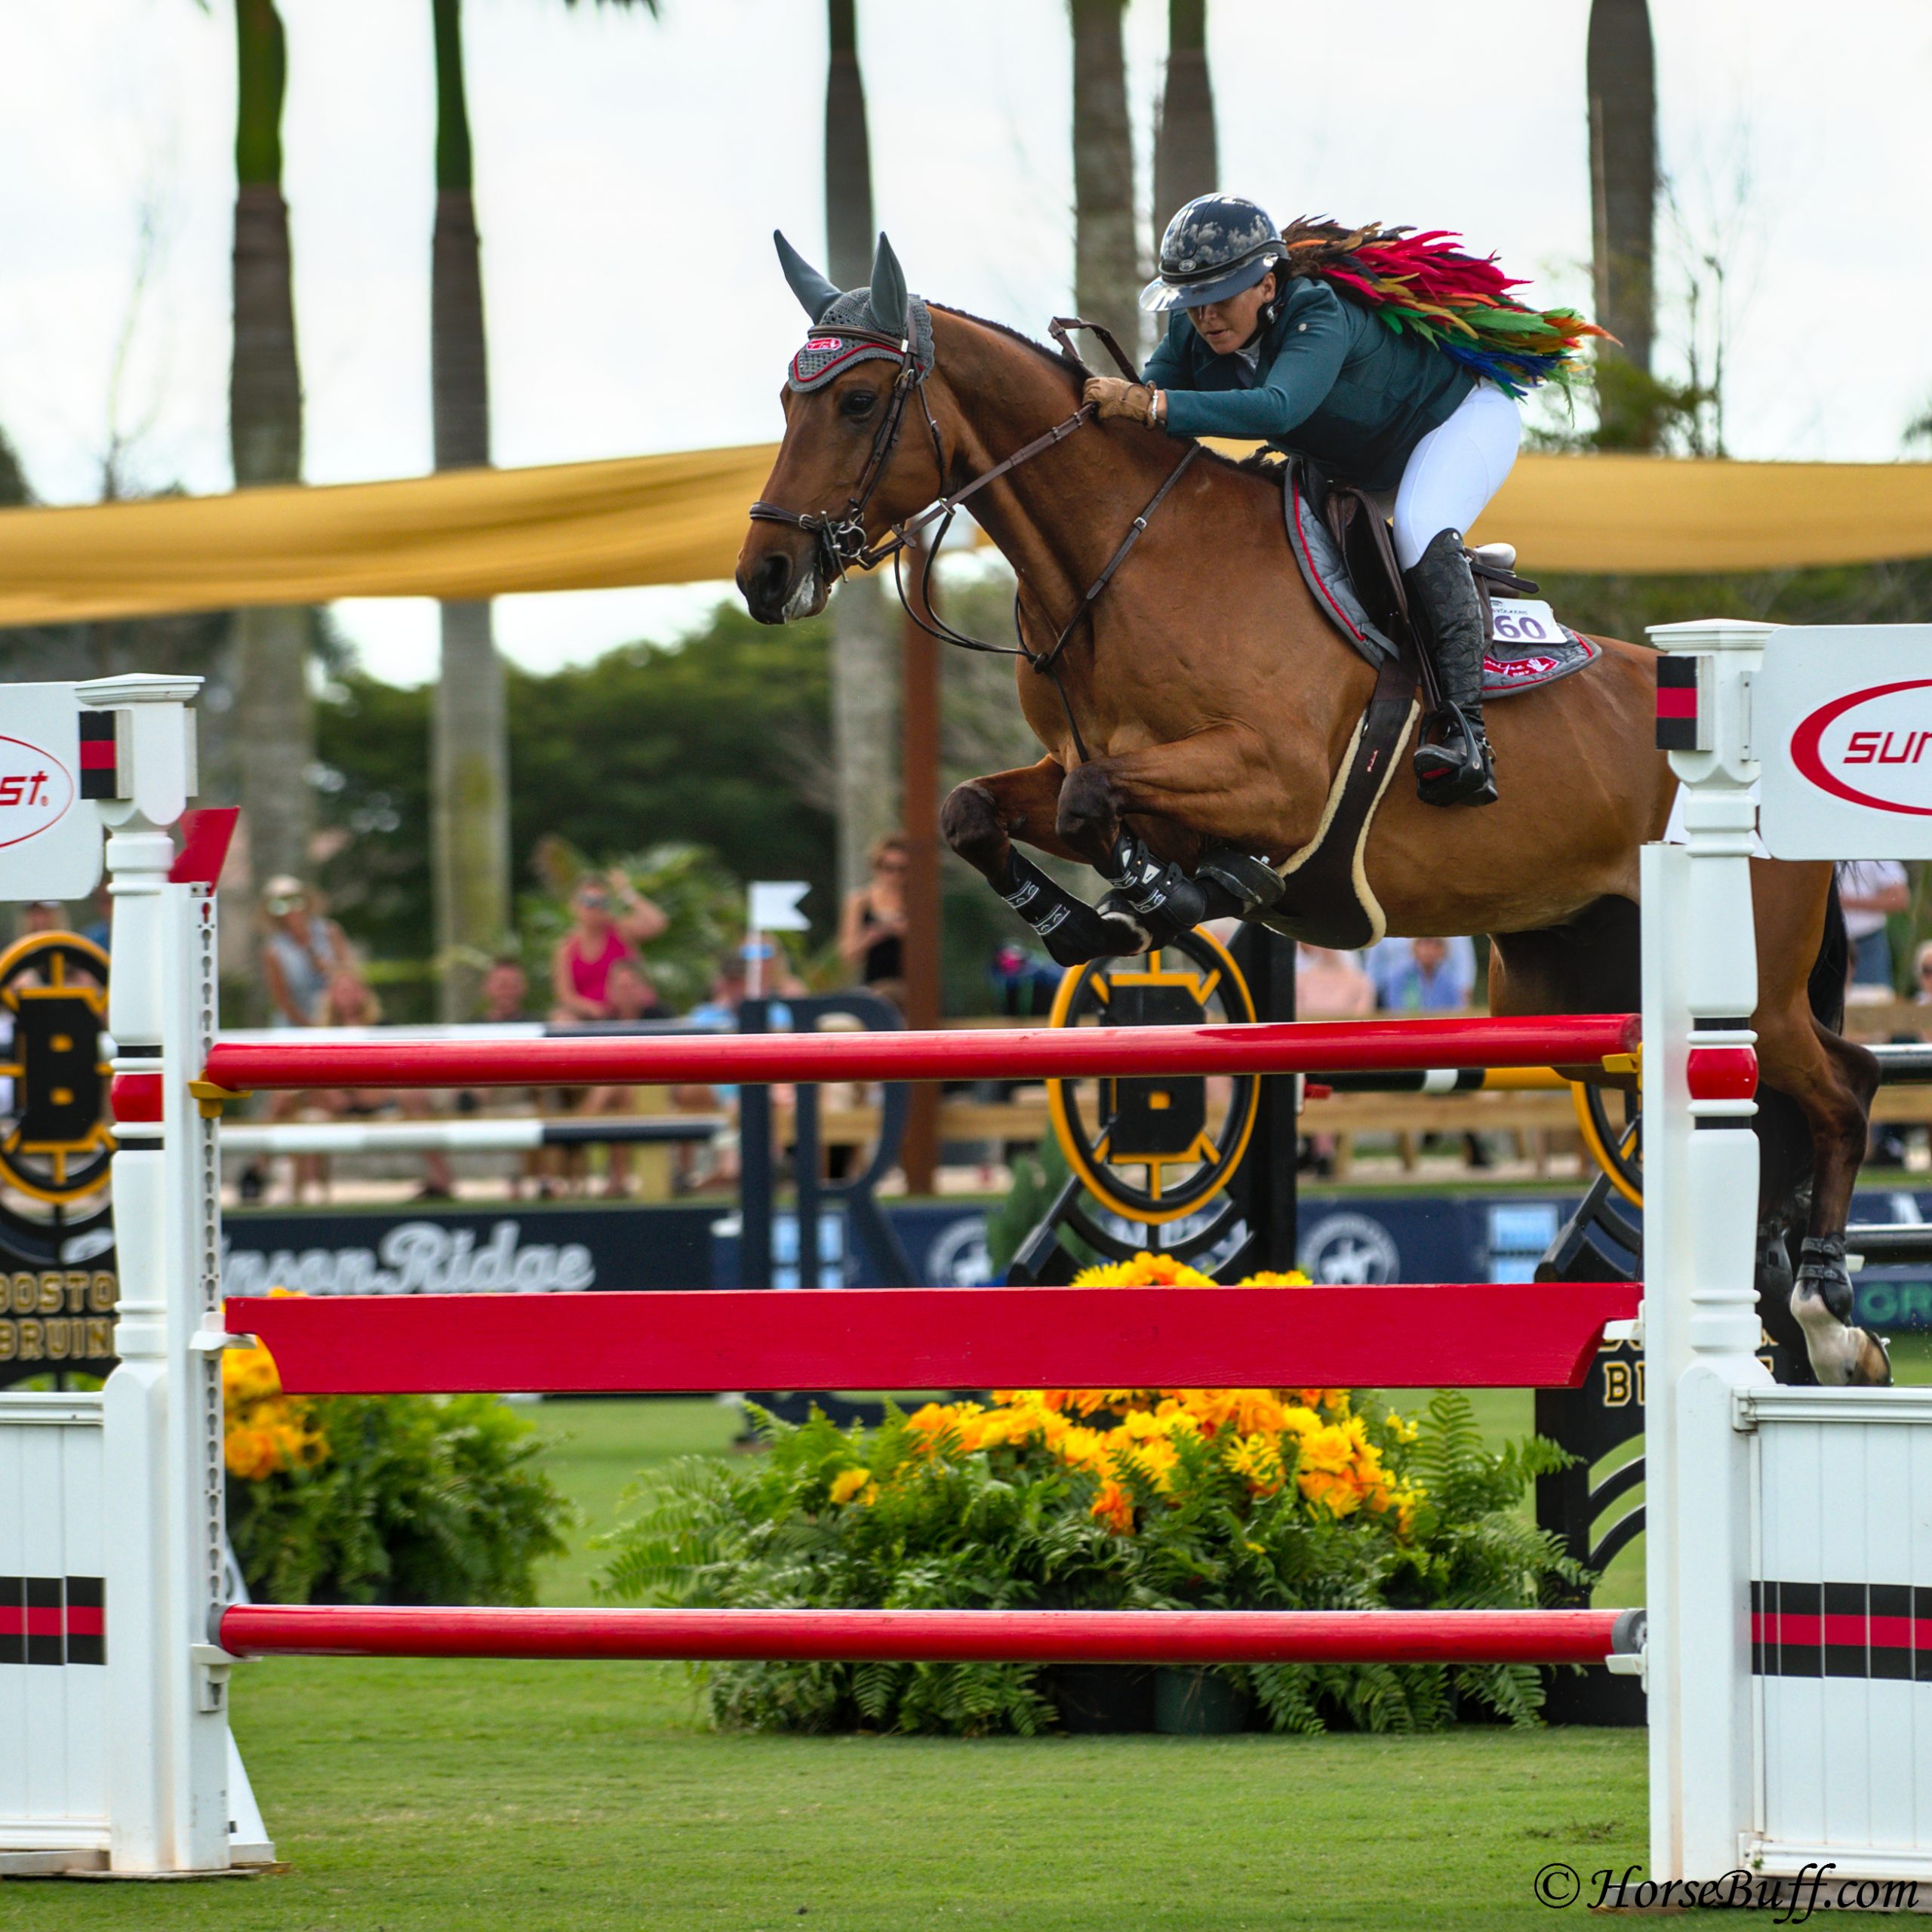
(846, 328)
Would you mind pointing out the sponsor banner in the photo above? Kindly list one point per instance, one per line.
(50, 834)
(1842, 723)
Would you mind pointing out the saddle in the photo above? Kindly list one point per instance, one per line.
(1341, 541)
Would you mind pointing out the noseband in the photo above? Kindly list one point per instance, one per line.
(839, 538)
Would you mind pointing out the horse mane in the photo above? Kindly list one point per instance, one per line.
(1255, 466)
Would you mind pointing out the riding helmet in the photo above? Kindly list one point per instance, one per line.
(1217, 246)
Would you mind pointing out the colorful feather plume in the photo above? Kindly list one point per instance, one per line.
(1427, 285)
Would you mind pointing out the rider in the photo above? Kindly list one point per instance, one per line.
(1254, 353)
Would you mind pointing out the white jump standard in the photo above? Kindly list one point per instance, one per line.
(1790, 1530)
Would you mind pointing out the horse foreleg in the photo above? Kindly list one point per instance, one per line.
(1211, 795)
(1217, 786)
(980, 820)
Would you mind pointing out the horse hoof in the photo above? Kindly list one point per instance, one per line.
(1823, 1280)
(1087, 933)
(1151, 929)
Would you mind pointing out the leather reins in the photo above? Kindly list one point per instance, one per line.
(840, 538)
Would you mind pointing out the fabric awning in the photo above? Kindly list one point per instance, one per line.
(680, 519)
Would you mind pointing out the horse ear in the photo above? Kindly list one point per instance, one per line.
(813, 291)
(889, 300)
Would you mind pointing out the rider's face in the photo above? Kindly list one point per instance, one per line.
(1226, 326)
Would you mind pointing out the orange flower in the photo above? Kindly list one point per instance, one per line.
(1114, 1507)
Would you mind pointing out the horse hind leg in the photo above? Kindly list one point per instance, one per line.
(1831, 1081)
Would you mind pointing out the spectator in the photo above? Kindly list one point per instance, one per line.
(629, 995)
(871, 931)
(350, 1001)
(1388, 961)
(302, 951)
(1921, 970)
(612, 919)
(1870, 890)
(101, 927)
(1331, 986)
(1429, 980)
(505, 992)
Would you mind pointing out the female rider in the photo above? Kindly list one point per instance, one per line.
(1252, 353)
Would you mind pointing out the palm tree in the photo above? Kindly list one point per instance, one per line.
(865, 656)
(469, 757)
(274, 733)
(1105, 267)
(1186, 162)
(1621, 77)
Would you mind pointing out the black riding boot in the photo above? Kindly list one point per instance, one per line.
(1454, 766)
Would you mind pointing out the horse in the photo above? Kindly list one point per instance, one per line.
(1204, 703)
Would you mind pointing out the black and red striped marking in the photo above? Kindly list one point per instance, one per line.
(1677, 704)
(52, 1619)
(1867, 1630)
(100, 762)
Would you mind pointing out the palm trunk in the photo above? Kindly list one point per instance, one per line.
(469, 776)
(1621, 81)
(274, 732)
(865, 643)
(1186, 161)
(1105, 267)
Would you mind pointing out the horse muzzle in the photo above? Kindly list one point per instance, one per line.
(779, 577)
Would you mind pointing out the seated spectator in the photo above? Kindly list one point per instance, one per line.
(1430, 980)
(629, 995)
(1330, 985)
(611, 920)
(351, 1000)
(505, 992)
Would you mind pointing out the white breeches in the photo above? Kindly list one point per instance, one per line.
(1455, 469)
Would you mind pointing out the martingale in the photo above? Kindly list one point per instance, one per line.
(1427, 285)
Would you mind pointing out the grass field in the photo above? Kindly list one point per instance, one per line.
(548, 1798)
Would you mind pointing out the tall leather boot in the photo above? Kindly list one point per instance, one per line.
(1453, 766)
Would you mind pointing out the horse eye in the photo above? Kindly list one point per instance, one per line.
(857, 402)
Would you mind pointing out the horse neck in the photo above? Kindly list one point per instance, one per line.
(1057, 518)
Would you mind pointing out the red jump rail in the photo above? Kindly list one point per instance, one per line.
(1078, 1636)
(1502, 1335)
(1037, 1053)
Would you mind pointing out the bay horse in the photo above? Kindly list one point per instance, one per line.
(1205, 703)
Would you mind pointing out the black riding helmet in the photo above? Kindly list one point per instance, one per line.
(1217, 246)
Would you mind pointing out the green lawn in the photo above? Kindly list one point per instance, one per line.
(529, 1797)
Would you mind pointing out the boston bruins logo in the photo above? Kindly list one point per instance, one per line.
(1156, 1148)
(55, 1142)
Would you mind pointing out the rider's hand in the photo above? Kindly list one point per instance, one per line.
(1111, 396)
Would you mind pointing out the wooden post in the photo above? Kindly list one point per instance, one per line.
(919, 674)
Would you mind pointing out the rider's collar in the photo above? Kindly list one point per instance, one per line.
(848, 334)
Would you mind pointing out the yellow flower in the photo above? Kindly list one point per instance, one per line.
(848, 1483)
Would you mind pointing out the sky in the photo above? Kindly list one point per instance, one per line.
(629, 173)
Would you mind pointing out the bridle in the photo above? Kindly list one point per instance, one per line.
(840, 537)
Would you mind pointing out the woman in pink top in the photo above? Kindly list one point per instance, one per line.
(603, 934)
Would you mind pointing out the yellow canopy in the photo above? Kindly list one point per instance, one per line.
(680, 518)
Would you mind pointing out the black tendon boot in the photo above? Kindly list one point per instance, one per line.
(1454, 766)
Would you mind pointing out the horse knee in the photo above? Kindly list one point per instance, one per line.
(969, 822)
(1088, 818)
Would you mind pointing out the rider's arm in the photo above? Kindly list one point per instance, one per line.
(1289, 390)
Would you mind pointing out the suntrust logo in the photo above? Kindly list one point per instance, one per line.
(36, 788)
(1872, 747)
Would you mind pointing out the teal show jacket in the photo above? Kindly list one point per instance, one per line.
(1333, 382)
